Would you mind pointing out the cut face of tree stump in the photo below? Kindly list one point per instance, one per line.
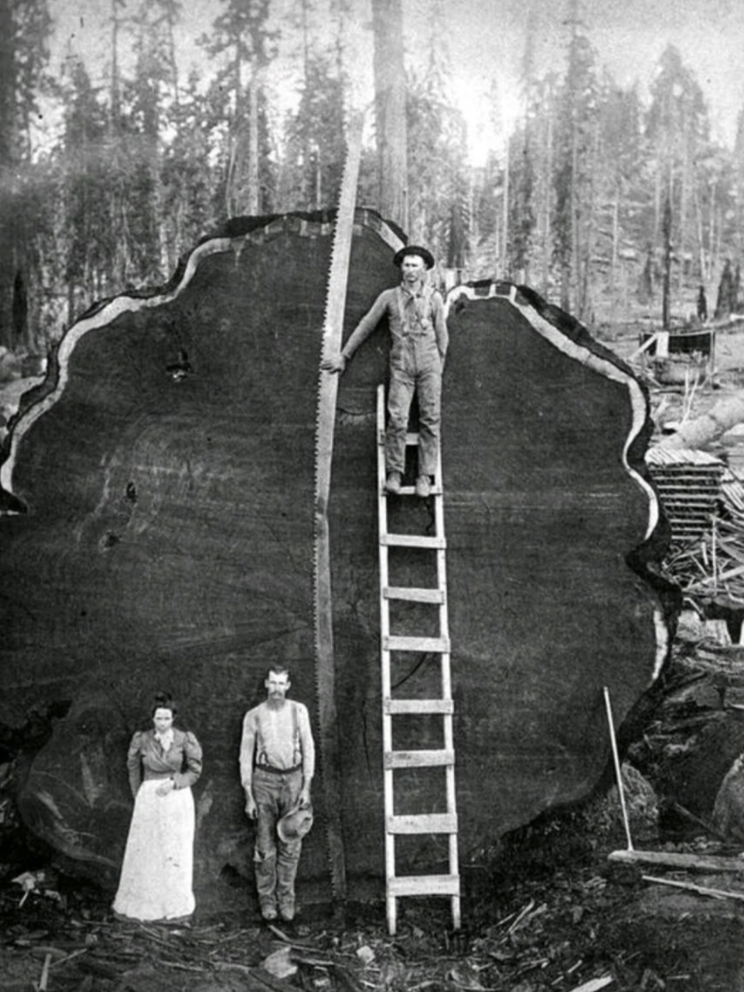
(166, 474)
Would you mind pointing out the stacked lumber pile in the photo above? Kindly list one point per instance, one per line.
(689, 483)
(704, 503)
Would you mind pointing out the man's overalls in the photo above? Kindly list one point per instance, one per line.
(415, 367)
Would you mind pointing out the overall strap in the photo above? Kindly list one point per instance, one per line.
(401, 305)
(259, 748)
(296, 731)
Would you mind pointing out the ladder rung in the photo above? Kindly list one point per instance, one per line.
(396, 707)
(436, 490)
(424, 885)
(423, 823)
(419, 759)
(414, 594)
(412, 541)
(397, 642)
(412, 437)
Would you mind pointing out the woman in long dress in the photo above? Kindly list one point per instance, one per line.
(156, 875)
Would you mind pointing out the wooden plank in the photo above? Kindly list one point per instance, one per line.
(424, 885)
(414, 594)
(672, 859)
(700, 889)
(440, 645)
(689, 504)
(419, 759)
(422, 823)
(399, 707)
(697, 487)
(412, 541)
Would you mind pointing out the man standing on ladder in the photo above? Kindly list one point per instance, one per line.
(415, 314)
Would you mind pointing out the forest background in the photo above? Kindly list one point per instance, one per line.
(117, 160)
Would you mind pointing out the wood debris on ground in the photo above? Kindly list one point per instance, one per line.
(549, 914)
(535, 945)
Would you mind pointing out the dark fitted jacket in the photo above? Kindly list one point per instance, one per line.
(146, 759)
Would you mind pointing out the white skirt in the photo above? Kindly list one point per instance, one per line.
(157, 872)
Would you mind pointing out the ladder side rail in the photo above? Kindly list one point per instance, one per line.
(442, 574)
(381, 498)
(385, 661)
(384, 580)
(456, 905)
(447, 689)
(382, 548)
(444, 627)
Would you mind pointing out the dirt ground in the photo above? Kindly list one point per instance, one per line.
(545, 910)
(556, 915)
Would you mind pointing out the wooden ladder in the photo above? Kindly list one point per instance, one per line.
(396, 885)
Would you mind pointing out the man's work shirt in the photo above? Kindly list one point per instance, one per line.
(410, 314)
(277, 738)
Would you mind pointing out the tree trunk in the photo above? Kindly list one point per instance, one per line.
(390, 108)
(253, 191)
(11, 250)
(171, 542)
(701, 431)
(547, 244)
(667, 233)
(615, 241)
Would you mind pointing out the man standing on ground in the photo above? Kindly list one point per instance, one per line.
(277, 763)
(415, 314)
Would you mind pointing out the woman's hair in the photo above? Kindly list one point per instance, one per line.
(163, 701)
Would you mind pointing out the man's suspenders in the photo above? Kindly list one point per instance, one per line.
(296, 745)
(427, 295)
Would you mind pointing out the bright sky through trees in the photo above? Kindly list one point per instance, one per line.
(485, 43)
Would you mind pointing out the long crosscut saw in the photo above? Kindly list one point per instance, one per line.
(325, 426)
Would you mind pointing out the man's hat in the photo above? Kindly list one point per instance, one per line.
(414, 250)
(295, 824)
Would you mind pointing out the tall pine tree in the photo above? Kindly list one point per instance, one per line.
(24, 31)
(243, 43)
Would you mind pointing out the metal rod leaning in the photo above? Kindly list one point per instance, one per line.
(618, 770)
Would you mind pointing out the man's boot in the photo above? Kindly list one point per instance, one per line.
(392, 483)
(423, 487)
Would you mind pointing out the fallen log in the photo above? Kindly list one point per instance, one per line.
(166, 474)
(675, 859)
(700, 432)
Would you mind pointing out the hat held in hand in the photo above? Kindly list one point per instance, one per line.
(295, 824)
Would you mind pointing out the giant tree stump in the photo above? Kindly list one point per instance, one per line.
(161, 536)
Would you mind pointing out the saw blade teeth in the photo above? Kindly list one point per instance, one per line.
(324, 434)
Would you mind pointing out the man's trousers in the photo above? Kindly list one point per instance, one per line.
(275, 862)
